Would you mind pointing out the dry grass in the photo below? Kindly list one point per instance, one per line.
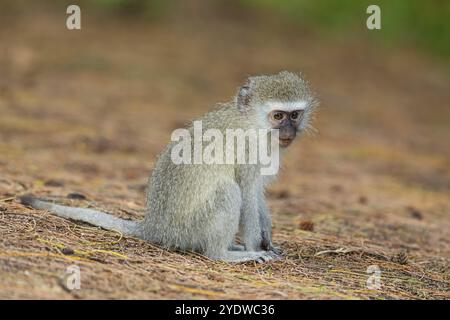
(80, 114)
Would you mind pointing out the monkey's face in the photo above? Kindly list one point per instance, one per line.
(282, 101)
(287, 122)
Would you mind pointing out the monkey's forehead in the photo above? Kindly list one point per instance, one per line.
(281, 76)
(289, 97)
(281, 87)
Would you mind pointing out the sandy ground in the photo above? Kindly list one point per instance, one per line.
(87, 112)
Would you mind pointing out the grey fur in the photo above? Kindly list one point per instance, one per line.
(202, 207)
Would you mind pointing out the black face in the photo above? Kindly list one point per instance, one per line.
(287, 123)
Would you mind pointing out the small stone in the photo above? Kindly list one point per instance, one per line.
(337, 188)
(282, 194)
(54, 183)
(363, 200)
(306, 225)
(67, 251)
(416, 214)
(76, 196)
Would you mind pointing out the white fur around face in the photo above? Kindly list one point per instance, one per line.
(285, 106)
(269, 106)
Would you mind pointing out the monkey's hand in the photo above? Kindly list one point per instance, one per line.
(266, 228)
(276, 250)
(267, 245)
(266, 241)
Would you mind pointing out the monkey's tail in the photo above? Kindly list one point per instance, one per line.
(94, 217)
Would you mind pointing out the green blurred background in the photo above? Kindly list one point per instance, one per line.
(417, 22)
(425, 23)
(422, 23)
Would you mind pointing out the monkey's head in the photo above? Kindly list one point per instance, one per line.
(282, 101)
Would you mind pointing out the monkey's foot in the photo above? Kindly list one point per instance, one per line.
(275, 255)
(245, 256)
(276, 250)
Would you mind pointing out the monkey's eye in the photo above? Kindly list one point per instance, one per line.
(295, 115)
(278, 116)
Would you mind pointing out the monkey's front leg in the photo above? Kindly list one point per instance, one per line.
(250, 228)
(265, 220)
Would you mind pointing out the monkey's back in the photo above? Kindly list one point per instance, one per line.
(179, 201)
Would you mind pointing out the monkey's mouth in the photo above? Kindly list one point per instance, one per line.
(284, 142)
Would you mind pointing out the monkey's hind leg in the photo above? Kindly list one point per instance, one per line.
(237, 247)
(224, 227)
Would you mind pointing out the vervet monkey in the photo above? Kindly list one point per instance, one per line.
(202, 207)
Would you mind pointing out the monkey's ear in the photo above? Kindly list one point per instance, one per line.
(243, 97)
